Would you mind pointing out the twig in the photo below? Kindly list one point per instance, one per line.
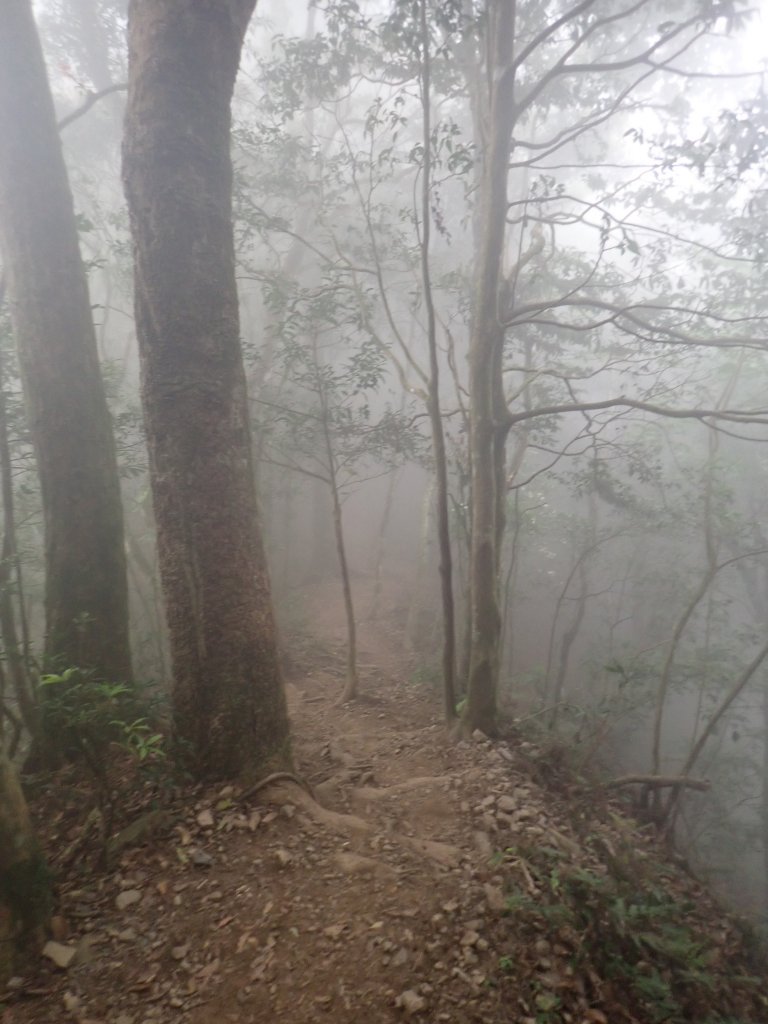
(660, 782)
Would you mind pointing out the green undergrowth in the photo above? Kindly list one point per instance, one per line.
(615, 935)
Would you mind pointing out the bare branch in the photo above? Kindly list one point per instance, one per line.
(91, 98)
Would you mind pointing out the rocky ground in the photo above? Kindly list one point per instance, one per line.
(413, 879)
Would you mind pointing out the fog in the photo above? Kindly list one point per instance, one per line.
(633, 562)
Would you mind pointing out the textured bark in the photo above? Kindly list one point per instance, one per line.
(86, 599)
(228, 700)
(488, 415)
(24, 880)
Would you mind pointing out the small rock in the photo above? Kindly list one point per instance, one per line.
(71, 1002)
(507, 804)
(334, 931)
(84, 950)
(495, 897)
(15, 983)
(469, 938)
(200, 858)
(400, 958)
(127, 898)
(355, 864)
(284, 858)
(179, 952)
(61, 955)
(205, 819)
(483, 844)
(411, 1002)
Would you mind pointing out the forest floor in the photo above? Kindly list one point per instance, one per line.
(427, 881)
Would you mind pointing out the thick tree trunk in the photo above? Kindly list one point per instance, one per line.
(488, 428)
(86, 591)
(24, 879)
(228, 699)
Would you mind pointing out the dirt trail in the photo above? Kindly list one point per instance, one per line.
(366, 903)
(382, 900)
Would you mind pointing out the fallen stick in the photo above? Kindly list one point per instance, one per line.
(660, 782)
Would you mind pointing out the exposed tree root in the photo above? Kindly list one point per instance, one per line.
(276, 777)
(287, 788)
(372, 794)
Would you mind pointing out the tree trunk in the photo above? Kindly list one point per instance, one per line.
(16, 652)
(24, 879)
(433, 403)
(377, 567)
(764, 799)
(86, 600)
(352, 684)
(228, 699)
(566, 643)
(488, 428)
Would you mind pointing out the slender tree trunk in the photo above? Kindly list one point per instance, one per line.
(566, 643)
(717, 715)
(487, 432)
(381, 543)
(506, 640)
(433, 403)
(710, 551)
(417, 612)
(86, 598)
(228, 699)
(16, 654)
(352, 685)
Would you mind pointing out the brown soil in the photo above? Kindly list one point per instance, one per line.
(385, 898)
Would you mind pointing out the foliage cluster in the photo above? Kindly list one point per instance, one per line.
(620, 929)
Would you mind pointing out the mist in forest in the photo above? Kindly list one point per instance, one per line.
(558, 253)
